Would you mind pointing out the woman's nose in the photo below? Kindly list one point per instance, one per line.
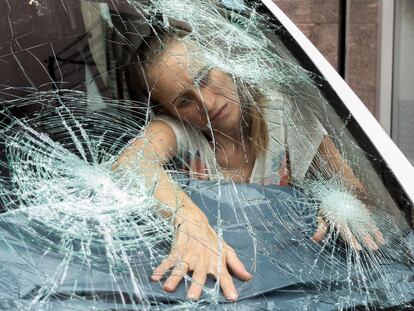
(208, 99)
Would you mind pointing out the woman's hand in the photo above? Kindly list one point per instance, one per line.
(198, 249)
(353, 233)
(344, 214)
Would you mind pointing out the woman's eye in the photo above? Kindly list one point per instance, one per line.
(184, 102)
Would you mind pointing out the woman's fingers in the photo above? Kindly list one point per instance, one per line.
(346, 233)
(370, 243)
(321, 230)
(176, 276)
(198, 280)
(236, 266)
(374, 239)
(198, 253)
(158, 272)
(227, 285)
(370, 235)
(376, 233)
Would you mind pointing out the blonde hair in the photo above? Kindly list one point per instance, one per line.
(253, 104)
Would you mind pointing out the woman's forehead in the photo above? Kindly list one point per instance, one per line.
(181, 58)
(174, 71)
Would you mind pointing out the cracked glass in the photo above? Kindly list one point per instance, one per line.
(178, 155)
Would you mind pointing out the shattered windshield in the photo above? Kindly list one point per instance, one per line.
(176, 154)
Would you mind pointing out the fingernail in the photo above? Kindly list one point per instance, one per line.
(232, 297)
(374, 246)
(357, 247)
(315, 239)
(192, 298)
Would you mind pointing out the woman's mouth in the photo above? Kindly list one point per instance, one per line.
(219, 114)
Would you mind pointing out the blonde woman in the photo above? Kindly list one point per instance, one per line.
(220, 130)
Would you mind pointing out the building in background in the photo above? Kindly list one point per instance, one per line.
(371, 44)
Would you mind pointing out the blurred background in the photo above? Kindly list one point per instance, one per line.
(371, 44)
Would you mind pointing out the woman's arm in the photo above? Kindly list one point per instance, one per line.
(196, 247)
(329, 158)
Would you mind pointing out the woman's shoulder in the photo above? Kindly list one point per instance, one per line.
(179, 127)
(186, 137)
(174, 124)
(160, 126)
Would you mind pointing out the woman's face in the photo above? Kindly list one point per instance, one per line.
(191, 92)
